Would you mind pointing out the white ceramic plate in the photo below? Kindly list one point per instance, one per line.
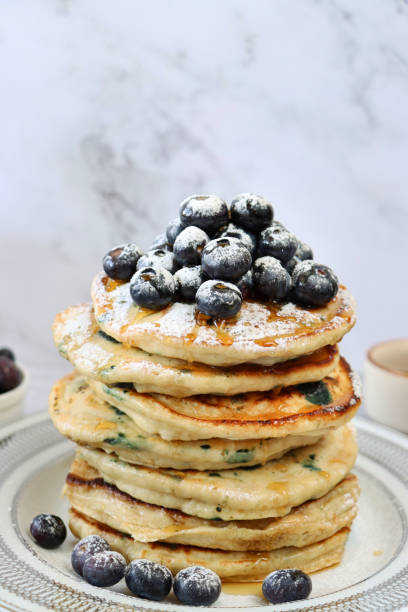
(34, 460)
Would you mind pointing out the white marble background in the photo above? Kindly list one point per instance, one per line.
(112, 112)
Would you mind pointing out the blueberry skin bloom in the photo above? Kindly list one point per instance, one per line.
(246, 285)
(160, 242)
(158, 257)
(173, 229)
(313, 283)
(120, 263)
(207, 212)
(226, 258)
(197, 586)
(252, 212)
(286, 585)
(152, 287)
(86, 547)
(104, 569)
(277, 242)
(218, 299)
(48, 530)
(148, 579)
(189, 245)
(271, 280)
(188, 280)
(233, 231)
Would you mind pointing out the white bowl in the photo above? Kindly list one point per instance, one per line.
(386, 383)
(12, 402)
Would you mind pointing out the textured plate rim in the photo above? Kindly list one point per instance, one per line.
(389, 594)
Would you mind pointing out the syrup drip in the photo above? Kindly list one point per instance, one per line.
(242, 588)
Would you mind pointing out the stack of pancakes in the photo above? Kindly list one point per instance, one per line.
(223, 444)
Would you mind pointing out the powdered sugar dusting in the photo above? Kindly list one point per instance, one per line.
(357, 387)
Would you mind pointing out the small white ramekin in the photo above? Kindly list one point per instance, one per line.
(386, 383)
(12, 402)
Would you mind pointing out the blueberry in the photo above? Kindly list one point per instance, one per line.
(291, 264)
(218, 299)
(226, 258)
(189, 245)
(104, 568)
(187, 281)
(286, 585)
(48, 530)
(233, 231)
(252, 212)
(120, 262)
(277, 242)
(207, 212)
(158, 257)
(90, 545)
(6, 352)
(148, 579)
(197, 586)
(313, 284)
(271, 280)
(246, 285)
(152, 287)
(10, 375)
(160, 242)
(173, 229)
(303, 251)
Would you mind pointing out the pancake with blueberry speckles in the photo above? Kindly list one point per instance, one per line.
(209, 403)
(83, 417)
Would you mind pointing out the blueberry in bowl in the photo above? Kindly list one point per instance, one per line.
(13, 385)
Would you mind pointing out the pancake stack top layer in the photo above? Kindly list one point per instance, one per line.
(204, 440)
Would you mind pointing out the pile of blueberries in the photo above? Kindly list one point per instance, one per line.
(10, 375)
(218, 256)
(94, 560)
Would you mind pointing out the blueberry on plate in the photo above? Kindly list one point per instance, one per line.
(160, 242)
(286, 585)
(148, 579)
(48, 530)
(188, 281)
(120, 262)
(189, 245)
(158, 257)
(313, 283)
(104, 569)
(207, 212)
(10, 375)
(197, 586)
(216, 298)
(152, 287)
(173, 229)
(233, 231)
(6, 352)
(246, 285)
(277, 242)
(271, 280)
(226, 258)
(252, 212)
(86, 547)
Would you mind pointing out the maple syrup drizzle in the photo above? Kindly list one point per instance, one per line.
(242, 588)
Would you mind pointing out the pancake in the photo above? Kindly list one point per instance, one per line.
(244, 493)
(301, 410)
(260, 333)
(87, 420)
(99, 356)
(236, 566)
(311, 522)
